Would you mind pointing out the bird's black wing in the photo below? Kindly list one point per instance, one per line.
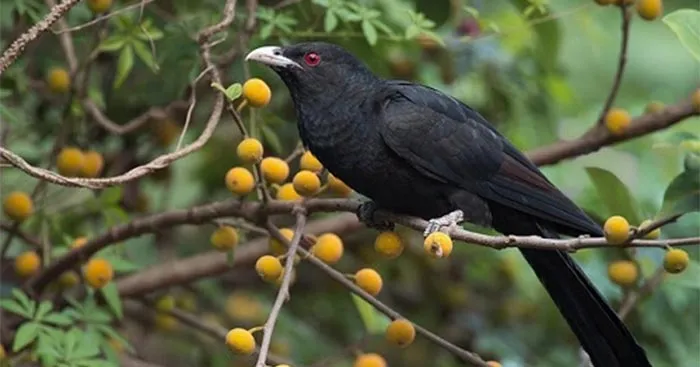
(446, 140)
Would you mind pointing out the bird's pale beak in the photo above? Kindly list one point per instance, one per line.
(271, 56)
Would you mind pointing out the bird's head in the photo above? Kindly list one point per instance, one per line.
(314, 71)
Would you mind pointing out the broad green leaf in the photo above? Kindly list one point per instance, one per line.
(682, 195)
(688, 278)
(112, 43)
(124, 65)
(144, 53)
(375, 322)
(14, 307)
(330, 21)
(26, 334)
(614, 194)
(233, 91)
(370, 32)
(44, 308)
(123, 265)
(685, 23)
(111, 295)
(270, 137)
(60, 319)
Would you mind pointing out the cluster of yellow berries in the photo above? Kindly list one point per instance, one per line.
(72, 161)
(647, 9)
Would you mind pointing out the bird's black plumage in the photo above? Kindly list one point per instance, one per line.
(414, 150)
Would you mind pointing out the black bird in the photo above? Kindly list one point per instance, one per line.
(416, 151)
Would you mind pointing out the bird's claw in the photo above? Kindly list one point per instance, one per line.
(447, 220)
(365, 213)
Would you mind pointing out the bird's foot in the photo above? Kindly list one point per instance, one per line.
(448, 220)
(365, 213)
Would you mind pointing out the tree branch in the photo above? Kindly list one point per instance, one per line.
(622, 61)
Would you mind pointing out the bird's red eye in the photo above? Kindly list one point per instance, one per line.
(312, 58)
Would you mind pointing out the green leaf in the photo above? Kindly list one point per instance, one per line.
(144, 53)
(44, 308)
(24, 300)
(124, 65)
(111, 295)
(109, 332)
(685, 24)
(375, 322)
(614, 194)
(370, 32)
(112, 43)
(688, 278)
(412, 31)
(14, 307)
(230, 258)
(266, 31)
(233, 91)
(26, 334)
(330, 21)
(122, 265)
(270, 137)
(60, 319)
(682, 195)
(382, 27)
(70, 341)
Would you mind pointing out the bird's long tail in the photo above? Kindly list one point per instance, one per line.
(601, 332)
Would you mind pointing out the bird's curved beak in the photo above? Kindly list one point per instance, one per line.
(271, 56)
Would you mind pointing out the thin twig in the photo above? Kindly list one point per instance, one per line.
(632, 298)
(103, 17)
(621, 62)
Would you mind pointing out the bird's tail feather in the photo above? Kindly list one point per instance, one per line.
(601, 332)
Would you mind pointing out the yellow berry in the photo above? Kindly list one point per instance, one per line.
(165, 303)
(278, 248)
(92, 164)
(617, 120)
(400, 332)
(58, 80)
(275, 170)
(165, 322)
(438, 244)
(328, 248)
(240, 181)
(68, 279)
(98, 272)
(70, 161)
(656, 233)
(493, 364)
(389, 244)
(309, 162)
(256, 92)
(338, 187)
(18, 206)
(654, 107)
(306, 183)
(617, 230)
(240, 341)
(27, 264)
(676, 260)
(99, 6)
(165, 131)
(695, 98)
(115, 344)
(369, 360)
(623, 273)
(286, 192)
(649, 9)
(78, 242)
(250, 150)
(269, 268)
(224, 238)
(369, 280)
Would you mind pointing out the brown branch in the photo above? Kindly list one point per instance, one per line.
(66, 41)
(17, 47)
(153, 113)
(13, 228)
(104, 17)
(622, 61)
(632, 298)
(598, 136)
(128, 361)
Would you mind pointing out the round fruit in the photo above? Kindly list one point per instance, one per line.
(369, 280)
(389, 244)
(250, 150)
(269, 268)
(257, 92)
(655, 234)
(676, 260)
(68, 279)
(623, 273)
(240, 341)
(165, 322)
(165, 131)
(278, 248)
(224, 238)
(18, 206)
(58, 80)
(92, 164)
(438, 244)
(654, 107)
(369, 360)
(78, 242)
(286, 192)
(338, 187)
(493, 364)
(275, 170)
(27, 264)
(99, 6)
(310, 163)
(306, 183)
(617, 230)
(617, 120)
(400, 332)
(98, 272)
(649, 9)
(240, 181)
(70, 161)
(165, 303)
(328, 248)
